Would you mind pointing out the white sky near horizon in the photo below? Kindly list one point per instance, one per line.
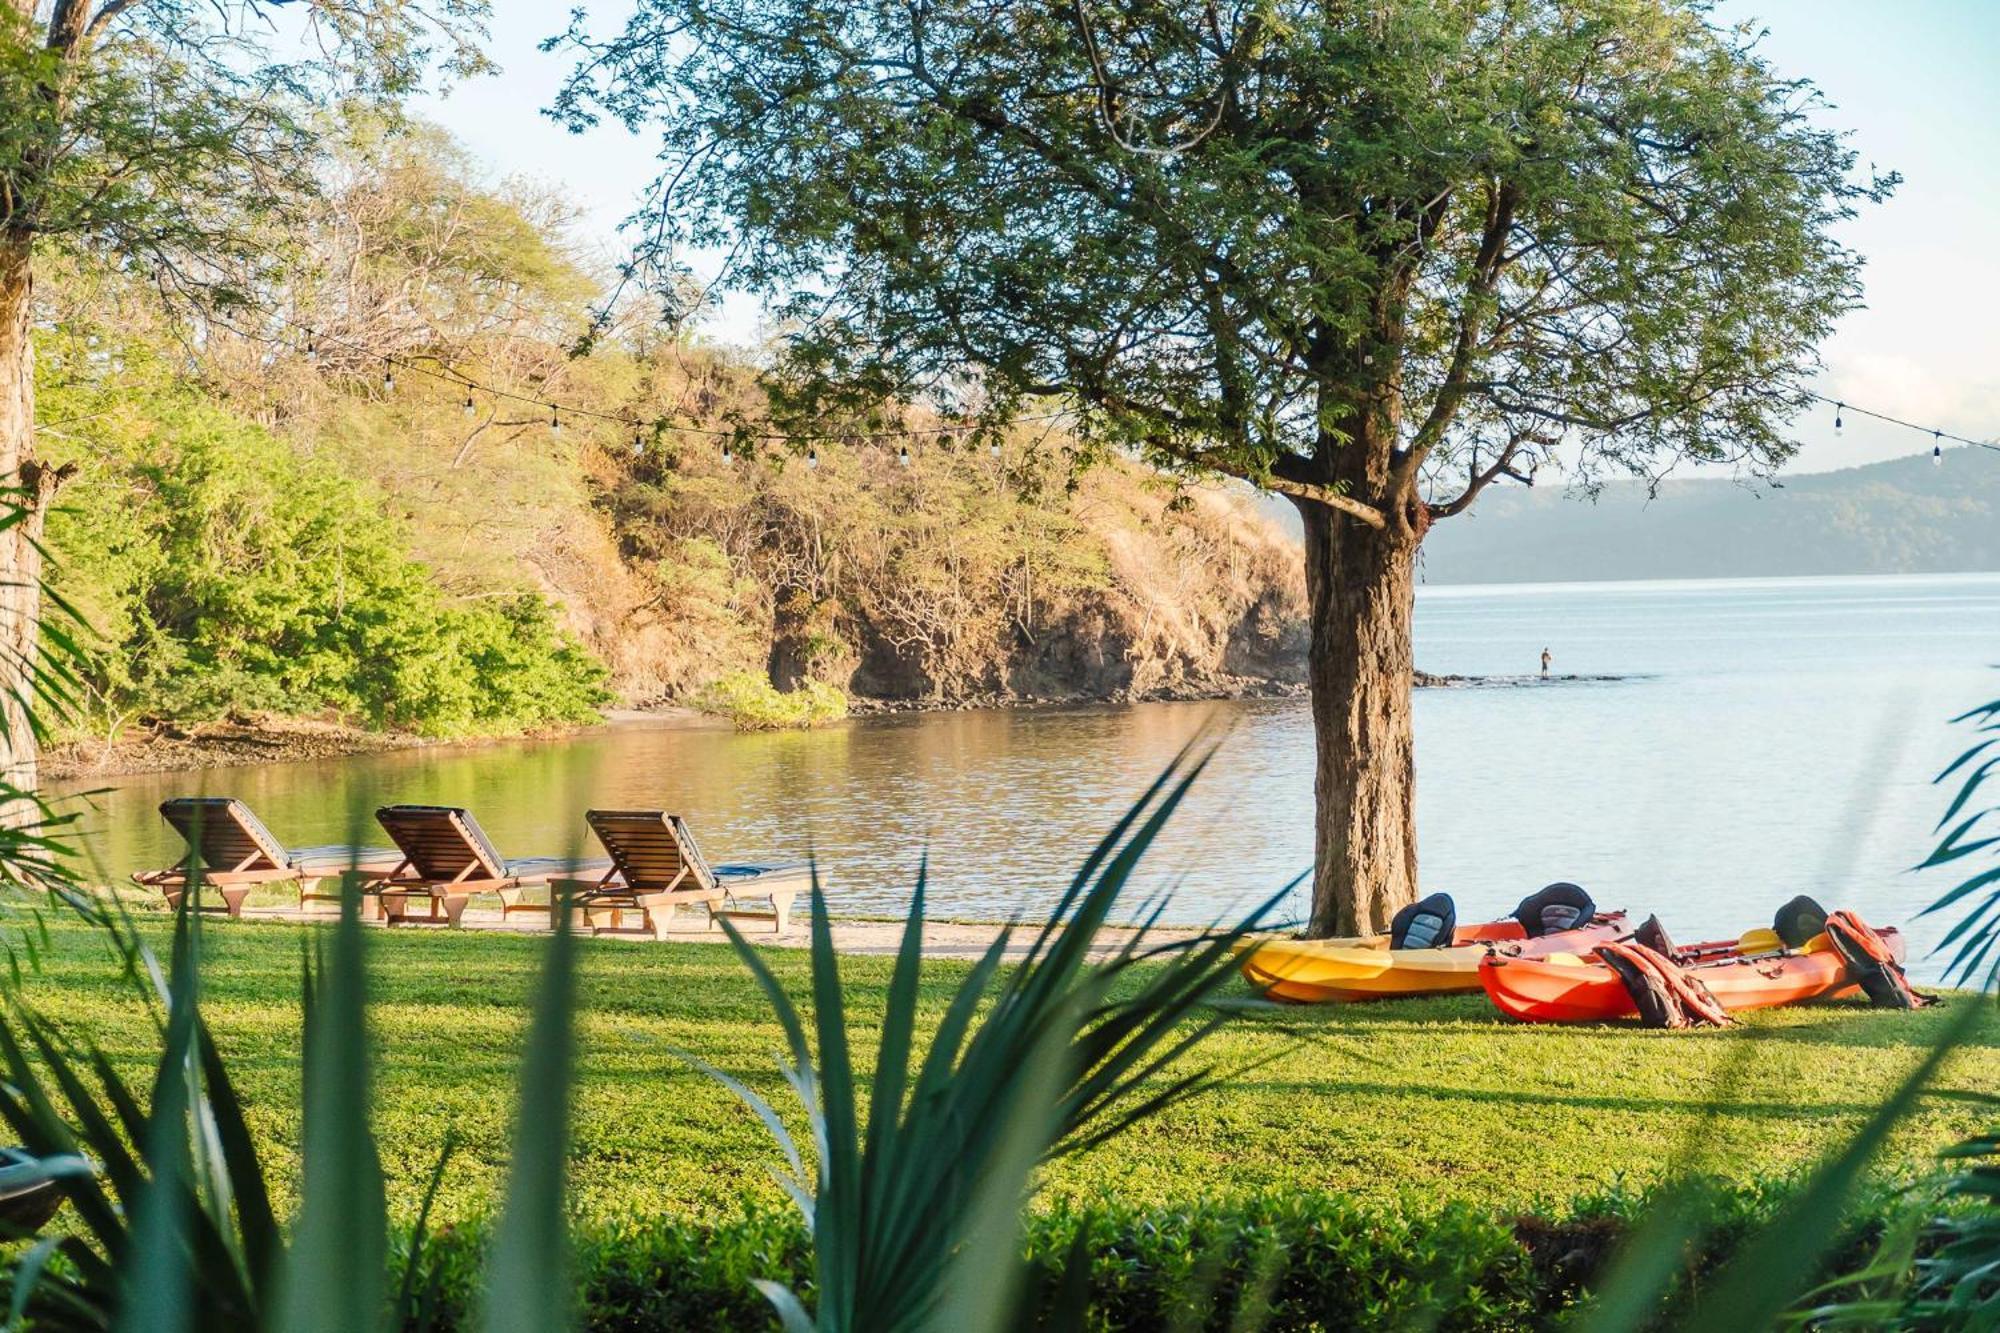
(1915, 82)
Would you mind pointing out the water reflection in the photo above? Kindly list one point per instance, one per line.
(1776, 737)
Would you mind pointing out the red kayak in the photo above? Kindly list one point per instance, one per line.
(1754, 972)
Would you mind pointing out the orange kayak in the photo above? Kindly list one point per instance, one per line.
(1754, 972)
(1366, 968)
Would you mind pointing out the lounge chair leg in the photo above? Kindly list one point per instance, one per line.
(781, 910)
(232, 900)
(660, 921)
(174, 897)
(454, 908)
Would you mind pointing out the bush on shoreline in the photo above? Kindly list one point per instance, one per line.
(754, 704)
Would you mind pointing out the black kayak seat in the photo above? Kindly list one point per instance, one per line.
(1798, 921)
(1429, 923)
(1555, 907)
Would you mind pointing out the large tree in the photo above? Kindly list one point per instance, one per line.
(1370, 254)
(164, 137)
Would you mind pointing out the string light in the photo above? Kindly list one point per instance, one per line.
(638, 443)
(1836, 417)
(727, 457)
(812, 458)
(1938, 437)
(555, 422)
(903, 456)
(312, 352)
(470, 410)
(388, 378)
(994, 449)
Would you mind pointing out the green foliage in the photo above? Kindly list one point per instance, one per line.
(754, 704)
(1340, 247)
(170, 135)
(225, 571)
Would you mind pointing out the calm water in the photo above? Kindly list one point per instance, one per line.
(1771, 737)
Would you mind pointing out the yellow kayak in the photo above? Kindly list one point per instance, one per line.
(1368, 968)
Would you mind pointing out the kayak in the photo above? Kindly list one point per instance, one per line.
(1366, 968)
(1753, 972)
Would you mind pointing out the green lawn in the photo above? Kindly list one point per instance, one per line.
(1429, 1099)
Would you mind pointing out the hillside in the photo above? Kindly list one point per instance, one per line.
(379, 526)
(1904, 516)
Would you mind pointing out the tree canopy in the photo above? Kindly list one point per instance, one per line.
(1483, 232)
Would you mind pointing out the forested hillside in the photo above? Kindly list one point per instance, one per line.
(1905, 516)
(293, 505)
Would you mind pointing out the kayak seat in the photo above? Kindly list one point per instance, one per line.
(1429, 923)
(1555, 907)
(1798, 921)
(1654, 936)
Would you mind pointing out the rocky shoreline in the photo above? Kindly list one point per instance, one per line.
(169, 748)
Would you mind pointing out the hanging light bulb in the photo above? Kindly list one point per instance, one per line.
(388, 378)
(903, 456)
(470, 410)
(555, 422)
(312, 352)
(1837, 407)
(638, 443)
(1937, 448)
(994, 449)
(812, 457)
(727, 456)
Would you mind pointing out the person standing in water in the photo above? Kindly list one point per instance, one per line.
(1547, 658)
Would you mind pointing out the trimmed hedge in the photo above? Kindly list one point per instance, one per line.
(1302, 1262)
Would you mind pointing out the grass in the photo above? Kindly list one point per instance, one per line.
(1432, 1099)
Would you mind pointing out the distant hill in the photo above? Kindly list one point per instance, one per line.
(1905, 516)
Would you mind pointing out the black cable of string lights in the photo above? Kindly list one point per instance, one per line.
(448, 375)
(1938, 437)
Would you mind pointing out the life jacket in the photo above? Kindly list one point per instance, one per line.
(1665, 996)
(1556, 907)
(1798, 921)
(1427, 924)
(1872, 964)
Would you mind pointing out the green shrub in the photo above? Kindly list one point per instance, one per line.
(1303, 1261)
(754, 704)
(224, 572)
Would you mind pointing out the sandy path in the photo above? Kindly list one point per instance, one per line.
(942, 939)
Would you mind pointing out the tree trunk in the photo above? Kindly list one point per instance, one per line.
(20, 540)
(1360, 586)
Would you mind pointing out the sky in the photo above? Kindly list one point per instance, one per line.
(1914, 81)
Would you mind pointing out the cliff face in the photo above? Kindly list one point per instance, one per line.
(946, 580)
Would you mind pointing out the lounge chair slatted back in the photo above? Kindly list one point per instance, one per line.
(652, 850)
(442, 842)
(224, 833)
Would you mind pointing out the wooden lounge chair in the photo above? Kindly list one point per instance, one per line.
(447, 858)
(232, 852)
(657, 868)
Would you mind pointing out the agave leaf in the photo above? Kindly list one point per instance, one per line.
(792, 1316)
(27, 1276)
(983, 1281)
(763, 1110)
(157, 1271)
(405, 1311)
(335, 1271)
(261, 1240)
(527, 1276)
